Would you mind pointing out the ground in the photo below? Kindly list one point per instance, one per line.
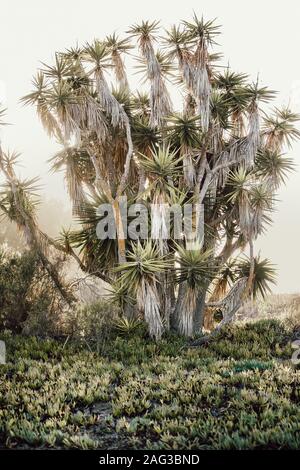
(241, 391)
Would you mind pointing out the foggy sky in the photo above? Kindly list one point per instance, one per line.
(257, 38)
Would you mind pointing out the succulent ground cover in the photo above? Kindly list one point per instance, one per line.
(240, 391)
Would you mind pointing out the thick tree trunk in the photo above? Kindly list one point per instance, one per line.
(166, 293)
(174, 320)
(199, 312)
(198, 316)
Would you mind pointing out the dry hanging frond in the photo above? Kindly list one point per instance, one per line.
(160, 102)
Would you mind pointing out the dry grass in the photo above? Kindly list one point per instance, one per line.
(277, 306)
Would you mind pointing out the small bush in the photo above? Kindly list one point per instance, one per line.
(94, 322)
(29, 300)
(16, 276)
(129, 326)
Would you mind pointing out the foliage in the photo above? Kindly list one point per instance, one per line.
(264, 275)
(127, 326)
(153, 395)
(16, 276)
(29, 301)
(94, 322)
(221, 147)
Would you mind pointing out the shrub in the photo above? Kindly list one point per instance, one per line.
(29, 301)
(150, 395)
(94, 322)
(16, 276)
(263, 339)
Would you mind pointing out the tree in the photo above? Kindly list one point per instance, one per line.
(220, 148)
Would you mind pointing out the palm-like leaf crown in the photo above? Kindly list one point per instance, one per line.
(144, 262)
(264, 275)
(195, 267)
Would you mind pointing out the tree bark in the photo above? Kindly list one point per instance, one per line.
(175, 312)
(199, 312)
(120, 232)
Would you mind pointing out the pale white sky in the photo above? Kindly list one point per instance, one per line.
(257, 37)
